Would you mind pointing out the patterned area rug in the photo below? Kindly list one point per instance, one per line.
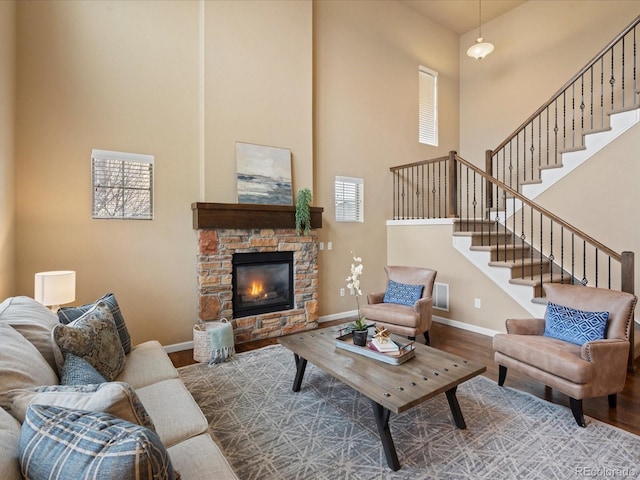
(327, 430)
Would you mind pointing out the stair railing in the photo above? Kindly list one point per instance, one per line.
(607, 84)
(537, 243)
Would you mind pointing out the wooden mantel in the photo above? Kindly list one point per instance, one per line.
(244, 215)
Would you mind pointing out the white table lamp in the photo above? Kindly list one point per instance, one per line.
(53, 289)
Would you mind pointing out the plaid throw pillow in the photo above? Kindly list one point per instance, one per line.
(402, 293)
(59, 444)
(574, 326)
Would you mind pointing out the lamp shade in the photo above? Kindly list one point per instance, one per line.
(480, 49)
(55, 288)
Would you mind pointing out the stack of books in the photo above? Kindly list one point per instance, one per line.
(388, 346)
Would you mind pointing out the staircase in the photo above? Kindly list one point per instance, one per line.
(499, 228)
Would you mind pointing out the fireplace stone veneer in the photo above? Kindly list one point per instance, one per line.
(216, 247)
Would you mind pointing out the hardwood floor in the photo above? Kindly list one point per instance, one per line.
(478, 347)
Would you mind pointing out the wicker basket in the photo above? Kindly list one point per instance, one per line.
(202, 342)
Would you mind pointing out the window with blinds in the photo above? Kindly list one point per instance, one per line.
(428, 106)
(122, 185)
(349, 199)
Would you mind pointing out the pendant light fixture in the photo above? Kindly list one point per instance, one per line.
(480, 49)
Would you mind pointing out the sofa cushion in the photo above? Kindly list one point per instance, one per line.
(21, 365)
(9, 440)
(575, 326)
(93, 337)
(197, 457)
(175, 413)
(60, 443)
(147, 363)
(115, 398)
(402, 293)
(69, 314)
(77, 371)
(34, 321)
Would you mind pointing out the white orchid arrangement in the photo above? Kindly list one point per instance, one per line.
(353, 283)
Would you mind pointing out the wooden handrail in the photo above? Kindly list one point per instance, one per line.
(421, 162)
(573, 79)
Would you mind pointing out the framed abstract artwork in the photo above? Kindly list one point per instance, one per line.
(263, 174)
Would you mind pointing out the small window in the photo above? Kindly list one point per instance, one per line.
(122, 185)
(428, 106)
(349, 197)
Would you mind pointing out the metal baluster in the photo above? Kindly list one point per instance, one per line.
(591, 97)
(612, 80)
(573, 254)
(602, 91)
(584, 263)
(551, 257)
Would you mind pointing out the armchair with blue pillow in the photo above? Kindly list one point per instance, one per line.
(405, 307)
(580, 348)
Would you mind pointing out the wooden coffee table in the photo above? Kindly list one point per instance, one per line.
(391, 388)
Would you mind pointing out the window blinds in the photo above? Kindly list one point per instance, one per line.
(349, 199)
(428, 106)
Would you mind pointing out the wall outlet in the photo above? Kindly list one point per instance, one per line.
(329, 245)
(342, 292)
(321, 246)
(477, 303)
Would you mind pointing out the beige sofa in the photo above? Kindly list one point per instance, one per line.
(27, 360)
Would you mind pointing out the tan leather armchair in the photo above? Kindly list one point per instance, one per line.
(595, 369)
(404, 320)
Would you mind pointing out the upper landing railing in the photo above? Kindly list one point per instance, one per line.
(607, 84)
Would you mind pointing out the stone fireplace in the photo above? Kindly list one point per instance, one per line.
(225, 242)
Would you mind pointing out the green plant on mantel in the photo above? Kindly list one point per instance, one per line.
(303, 211)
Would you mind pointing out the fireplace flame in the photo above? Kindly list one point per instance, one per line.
(256, 289)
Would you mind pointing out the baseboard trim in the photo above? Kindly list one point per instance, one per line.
(466, 326)
(338, 316)
(178, 347)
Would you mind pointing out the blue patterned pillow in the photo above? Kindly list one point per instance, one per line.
(59, 443)
(402, 293)
(69, 314)
(77, 371)
(575, 326)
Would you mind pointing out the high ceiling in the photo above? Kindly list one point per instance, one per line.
(461, 16)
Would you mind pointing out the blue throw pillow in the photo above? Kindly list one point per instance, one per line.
(67, 315)
(402, 293)
(60, 444)
(575, 326)
(77, 371)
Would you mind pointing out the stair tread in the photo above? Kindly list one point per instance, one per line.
(526, 262)
(492, 248)
(576, 148)
(534, 181)
(539, 300)
(550, 166)
(536, 281)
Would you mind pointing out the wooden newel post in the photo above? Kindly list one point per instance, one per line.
(452, 186)
(488, 168)
(627, 285)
